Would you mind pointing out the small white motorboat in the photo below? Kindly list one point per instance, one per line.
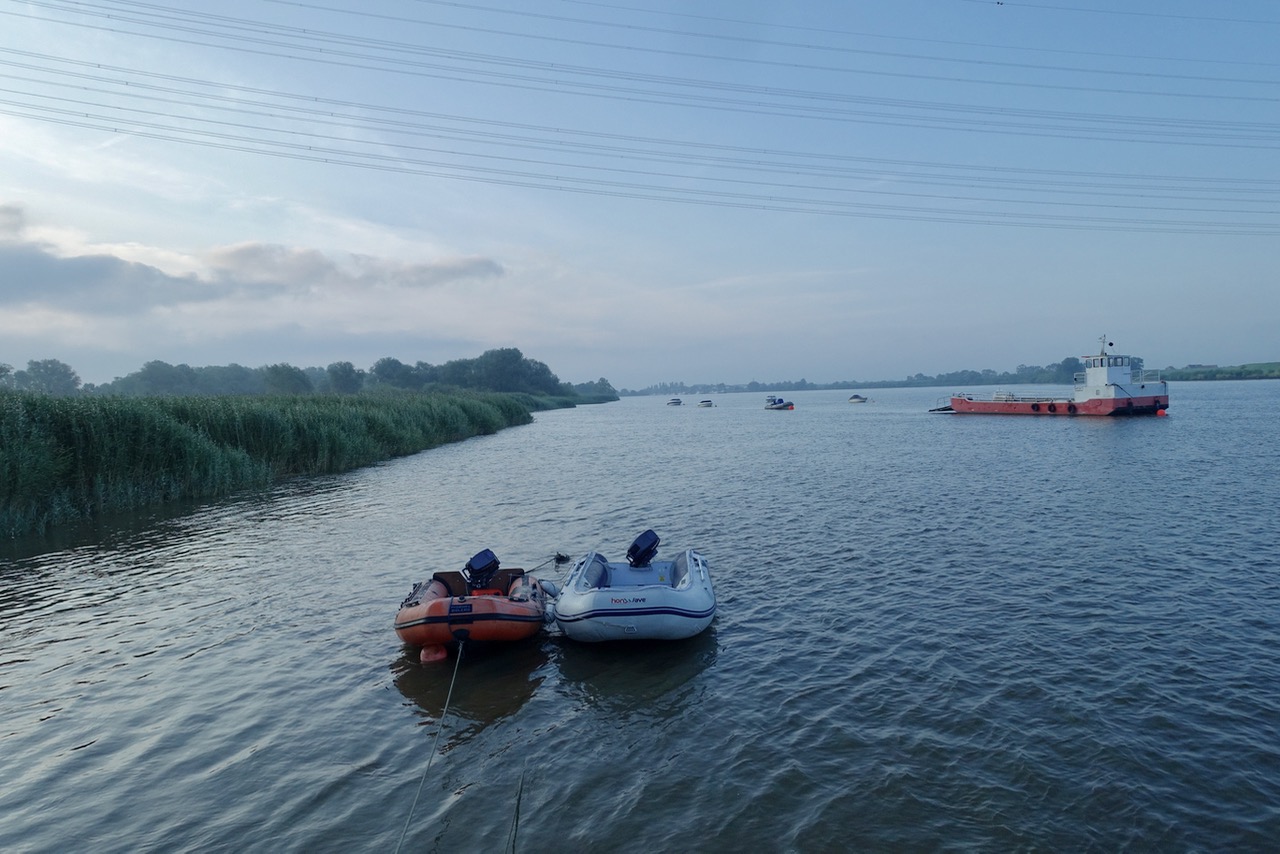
(642, 599)
(706, 404)
(675, 401)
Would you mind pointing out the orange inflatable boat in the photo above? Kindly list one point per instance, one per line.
(483, 602)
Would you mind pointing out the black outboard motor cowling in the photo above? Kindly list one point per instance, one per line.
(643, 549)
(481, 568)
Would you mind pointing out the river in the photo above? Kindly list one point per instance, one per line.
(935, 632)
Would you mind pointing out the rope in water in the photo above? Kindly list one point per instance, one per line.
(515, 819)
(443, 713)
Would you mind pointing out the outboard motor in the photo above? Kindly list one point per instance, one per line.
(643, 549)
(481, 568)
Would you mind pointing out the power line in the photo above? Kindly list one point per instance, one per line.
(1172, 16)
(508, 177)
(363, 116)
(309, 39)
(356, 134)
(1010, 3)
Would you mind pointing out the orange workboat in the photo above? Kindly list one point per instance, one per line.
(1111, 384)
(483, 602)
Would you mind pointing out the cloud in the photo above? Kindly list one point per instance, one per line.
(12, 222)
(39, 274)
(100, 284)
(296, 268)
(233, 303)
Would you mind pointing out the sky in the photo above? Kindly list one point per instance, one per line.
(642, 190)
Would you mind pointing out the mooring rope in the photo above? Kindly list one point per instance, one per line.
(515, 820)
(443, 713)
(556, 558)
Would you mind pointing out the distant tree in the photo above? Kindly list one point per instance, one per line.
(500, 370)
(1067, 369)
(48, 376)
(344, 378)
(286, 379)
(427, 373)
(393, 372)
(539, 378)
(6, 375)
(319, 379)
(163, 378)
(458, 372)
(600, 387)
(230, 379)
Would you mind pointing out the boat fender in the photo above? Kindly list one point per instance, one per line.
(432, 652)
(1035, 407)
(1071, 408)
(550, 588)
(1053, 408)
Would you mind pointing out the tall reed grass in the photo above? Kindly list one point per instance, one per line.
(64, 459)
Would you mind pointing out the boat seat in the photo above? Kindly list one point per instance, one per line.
(453, 581)
(502, 579)
(596, 572)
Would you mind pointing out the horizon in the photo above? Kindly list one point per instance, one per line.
(684, 383)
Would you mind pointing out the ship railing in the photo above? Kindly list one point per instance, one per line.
(1034, 396)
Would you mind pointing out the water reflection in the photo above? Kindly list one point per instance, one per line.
(635, 675)
(136, 530)
(493, 683)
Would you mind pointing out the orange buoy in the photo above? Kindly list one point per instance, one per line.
(1160, 413)
(433, 652)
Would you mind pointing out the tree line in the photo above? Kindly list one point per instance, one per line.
(1058, 373)
(1250, 371)
(500, 370)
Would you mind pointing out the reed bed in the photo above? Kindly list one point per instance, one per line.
(64, 459)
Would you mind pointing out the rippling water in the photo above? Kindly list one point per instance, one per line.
(935, 632)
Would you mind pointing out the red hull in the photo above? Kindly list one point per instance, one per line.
(432, 615)
(1149, 405)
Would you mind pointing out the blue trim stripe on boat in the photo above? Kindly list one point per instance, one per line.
(637, 612)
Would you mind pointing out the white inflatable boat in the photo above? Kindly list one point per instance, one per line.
(640, 599)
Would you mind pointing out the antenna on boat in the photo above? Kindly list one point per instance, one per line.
(1103, 341)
